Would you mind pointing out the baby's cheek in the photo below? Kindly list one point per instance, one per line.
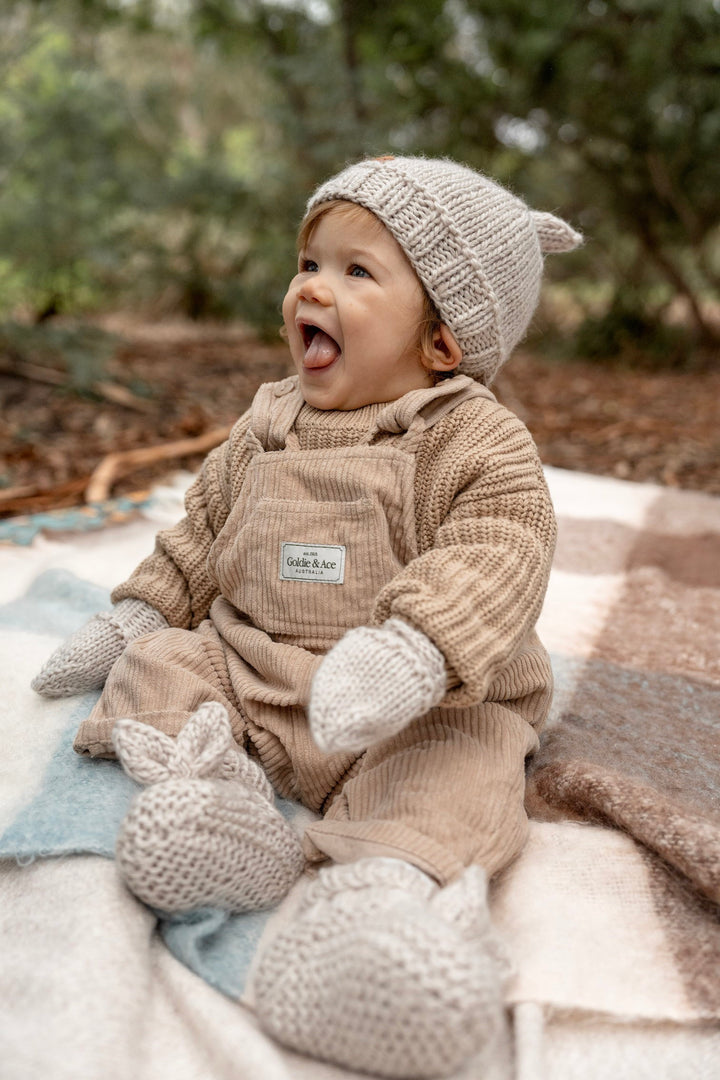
(288, 306)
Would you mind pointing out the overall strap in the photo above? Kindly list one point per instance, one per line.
(420, 410)
(274, 410)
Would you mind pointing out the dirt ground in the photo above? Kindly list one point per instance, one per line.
(176, 381)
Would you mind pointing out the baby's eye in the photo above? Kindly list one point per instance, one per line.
(308, 266)
(358, 271)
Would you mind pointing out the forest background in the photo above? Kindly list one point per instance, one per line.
(155, 157)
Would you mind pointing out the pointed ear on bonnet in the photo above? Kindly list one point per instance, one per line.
(554, 234)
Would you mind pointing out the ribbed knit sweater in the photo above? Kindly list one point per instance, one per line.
(485, 537)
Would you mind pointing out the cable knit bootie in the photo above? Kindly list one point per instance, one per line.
(206, 831)
(384, 972)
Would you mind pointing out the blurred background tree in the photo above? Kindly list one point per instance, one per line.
(156, 154)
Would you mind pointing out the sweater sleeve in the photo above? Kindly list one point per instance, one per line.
(486, 531)
(174, 578)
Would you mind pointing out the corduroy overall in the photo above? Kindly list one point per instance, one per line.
(311, 541)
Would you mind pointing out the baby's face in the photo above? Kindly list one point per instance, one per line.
(353, 314)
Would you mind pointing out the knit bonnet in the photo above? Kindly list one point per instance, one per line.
(477, 249)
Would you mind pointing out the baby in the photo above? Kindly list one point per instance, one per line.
(346, 616)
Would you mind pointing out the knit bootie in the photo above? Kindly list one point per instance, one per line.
(382, 971)
(206, 831)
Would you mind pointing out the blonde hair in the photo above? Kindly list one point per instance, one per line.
(430, 319)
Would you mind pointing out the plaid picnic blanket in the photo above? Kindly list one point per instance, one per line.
(611, 913)
(625, 921)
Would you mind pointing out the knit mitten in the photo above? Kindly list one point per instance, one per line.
(384, 972)
(206, 832)
(83, 662)
(372, 684)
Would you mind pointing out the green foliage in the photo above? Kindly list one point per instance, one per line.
(629, 332)
(65, 143)
(160, 154)
(78, 351)
(622, 96)
(128, 169)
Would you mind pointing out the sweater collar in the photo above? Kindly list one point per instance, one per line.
(395, 417)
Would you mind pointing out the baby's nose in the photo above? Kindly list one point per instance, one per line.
(315, 289)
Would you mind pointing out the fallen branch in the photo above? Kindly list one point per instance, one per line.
(23, 492)
(118, 464)
(115, 393)
(35, 372)
(33, 498)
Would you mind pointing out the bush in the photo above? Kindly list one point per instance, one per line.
(628, 332)
(77, 351)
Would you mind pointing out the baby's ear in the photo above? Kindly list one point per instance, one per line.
(445, 354)
(555, 234)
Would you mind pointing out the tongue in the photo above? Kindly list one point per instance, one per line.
(321, 351)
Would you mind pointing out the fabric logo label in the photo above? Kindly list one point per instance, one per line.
(312, 562)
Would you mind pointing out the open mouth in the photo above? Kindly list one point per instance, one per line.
(320, 349)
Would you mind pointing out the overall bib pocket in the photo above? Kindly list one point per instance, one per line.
(306, 571)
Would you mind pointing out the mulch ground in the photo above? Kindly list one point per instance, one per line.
(178, 381)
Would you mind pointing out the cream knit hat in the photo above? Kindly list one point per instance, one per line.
(477, 249)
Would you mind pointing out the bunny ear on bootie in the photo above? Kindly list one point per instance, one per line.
(554, 234)
(150, 756)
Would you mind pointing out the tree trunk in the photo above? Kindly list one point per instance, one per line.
(352, 61)
(672, 273)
